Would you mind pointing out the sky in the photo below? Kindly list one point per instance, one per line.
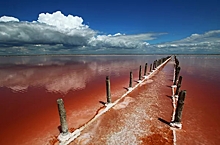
(109, 27)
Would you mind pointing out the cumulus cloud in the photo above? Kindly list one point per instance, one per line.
(37, 33)
(122, 41)
(60, 21)
(8, 19)
(59, 34)
(49, 31)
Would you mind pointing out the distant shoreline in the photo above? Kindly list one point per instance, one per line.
(99, 55)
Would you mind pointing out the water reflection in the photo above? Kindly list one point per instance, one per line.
(207, 66)
(63, 73)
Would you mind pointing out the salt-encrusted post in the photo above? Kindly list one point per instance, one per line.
(178, 85)
(131, 80)
(62, 114)
(108, 92)
(179, 110)
(145, 69)
(176, 75)
(140, 73)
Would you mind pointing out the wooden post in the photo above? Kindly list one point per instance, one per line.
(131, 80)
(159, 62)
(145, 69)
(176, 62)
(150, 67)
(62, 114)
(178, 85)
(108, 92)
(179, 108)
(180, 80)
(140, 72)
(153, 65)
(176, 75)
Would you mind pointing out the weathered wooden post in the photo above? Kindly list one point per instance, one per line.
(178, 86)
(156, 64)
(145, 69)
(64, 127)
(153, 67)
(179, 110)
(62, 114)
(176, 62)
(176, 75)
(108, 92)
(140, 73)
(150, 67)
(159, 62)
(131, 80)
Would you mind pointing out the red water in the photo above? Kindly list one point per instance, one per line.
(30, 86)
(201, 113)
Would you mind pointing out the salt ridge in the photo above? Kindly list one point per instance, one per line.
(72, 136)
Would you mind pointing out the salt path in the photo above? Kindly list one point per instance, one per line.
(140, 118)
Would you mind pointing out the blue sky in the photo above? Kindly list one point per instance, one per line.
(141, 26)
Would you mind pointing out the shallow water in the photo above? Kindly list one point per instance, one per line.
(30, 86)
(201, 119)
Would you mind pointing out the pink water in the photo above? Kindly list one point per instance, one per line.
(201, 114)
(30, 86)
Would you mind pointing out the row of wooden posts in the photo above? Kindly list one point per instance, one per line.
(153, 66)
(61, 108)
(178, 94)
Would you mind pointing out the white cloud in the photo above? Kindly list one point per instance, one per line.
(60, 34)
(210, 36)
(57, 33)
(62, 22)
(51, 32)
(8, 19)
(118, 34)
(209, 42)
(37, 33)
(122, 41)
